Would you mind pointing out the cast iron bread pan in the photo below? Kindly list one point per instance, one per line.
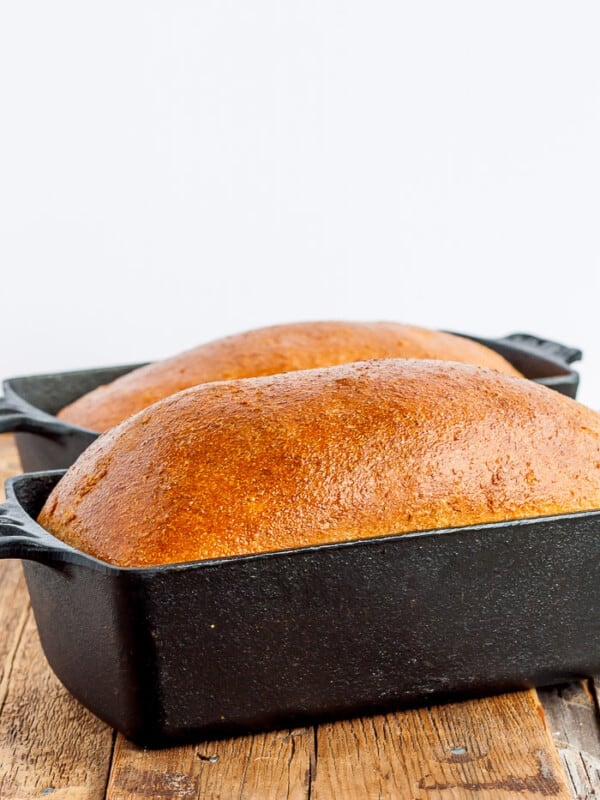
(213, 648)
(45, 442)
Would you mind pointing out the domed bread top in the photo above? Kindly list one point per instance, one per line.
(267, 351)
(326, 455)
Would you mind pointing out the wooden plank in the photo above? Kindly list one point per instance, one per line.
(9, 458)
(571, 711)
(14, 607)
(496, 748)
(267, 766)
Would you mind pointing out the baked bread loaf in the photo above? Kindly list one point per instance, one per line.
(267, 351)
(340, 453)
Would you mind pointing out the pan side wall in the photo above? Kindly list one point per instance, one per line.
(92, 630)
(256, 644)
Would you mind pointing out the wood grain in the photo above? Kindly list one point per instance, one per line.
(14, 607)
(571, 711)
(496, 748)
(270, 765)
(9, 459)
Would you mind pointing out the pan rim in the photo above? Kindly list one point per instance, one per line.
(64, 553)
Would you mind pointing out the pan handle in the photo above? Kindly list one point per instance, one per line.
(554, 350)
(14, 419)
(19, 540)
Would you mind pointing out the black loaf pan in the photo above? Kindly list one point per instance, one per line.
(45, 442)
(214, 648)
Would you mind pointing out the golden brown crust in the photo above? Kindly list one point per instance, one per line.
(326, 455)
(267, 351)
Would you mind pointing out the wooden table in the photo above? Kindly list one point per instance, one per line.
(543, 744)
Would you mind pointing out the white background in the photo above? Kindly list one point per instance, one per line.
(175, 171)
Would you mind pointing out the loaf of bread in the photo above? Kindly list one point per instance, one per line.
(267, 351)
(326, 455)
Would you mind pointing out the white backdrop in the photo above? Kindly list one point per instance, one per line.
(175, 171)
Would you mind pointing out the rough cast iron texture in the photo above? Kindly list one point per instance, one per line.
(207, 649)
(45, 442)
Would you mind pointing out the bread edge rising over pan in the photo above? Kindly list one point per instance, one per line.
(334, 454)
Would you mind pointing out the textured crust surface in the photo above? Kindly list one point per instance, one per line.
(326, 455)
(268, 351)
